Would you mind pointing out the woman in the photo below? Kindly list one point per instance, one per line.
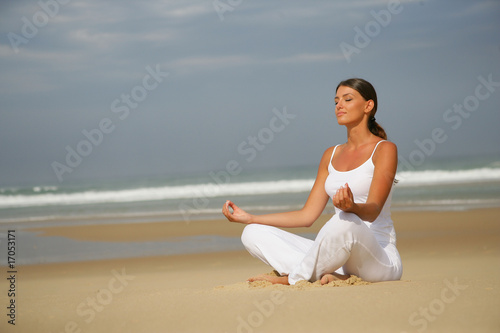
(358, 176)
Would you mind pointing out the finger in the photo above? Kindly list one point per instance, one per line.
(335, 198)
(338, 204)
(341, 194)
(337, 194)
(230, 205)
(346, 193)
(225, 209)
(226, 213)
(350, 195)
(348, 190)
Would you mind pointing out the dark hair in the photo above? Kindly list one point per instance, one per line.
(367, 91)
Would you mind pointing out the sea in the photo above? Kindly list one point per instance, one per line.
(444, 184)
(438, 185)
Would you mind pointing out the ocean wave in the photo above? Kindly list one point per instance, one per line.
(445, 204)
(207, 190)
(55, 197)
(436, 177)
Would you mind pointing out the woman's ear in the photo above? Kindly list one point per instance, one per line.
(369, 106)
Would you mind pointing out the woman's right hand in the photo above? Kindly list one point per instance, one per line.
(238, 214)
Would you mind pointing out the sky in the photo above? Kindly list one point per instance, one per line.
(121, 88)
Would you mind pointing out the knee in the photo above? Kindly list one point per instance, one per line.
(349, 218)
(344, 222)
(251, 234)
(341, 226)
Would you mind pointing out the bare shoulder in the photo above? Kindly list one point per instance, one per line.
(387, 146)
(386, 150)
(325, 159)
(328, 153)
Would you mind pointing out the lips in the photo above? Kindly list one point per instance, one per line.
(339, 114)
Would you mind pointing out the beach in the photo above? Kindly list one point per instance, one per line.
(451, 283)
(126, 127)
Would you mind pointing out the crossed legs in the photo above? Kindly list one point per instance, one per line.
(345, 245)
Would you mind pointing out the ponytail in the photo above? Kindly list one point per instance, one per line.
(376, 129)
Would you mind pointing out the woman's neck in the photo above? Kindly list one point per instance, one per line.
(359, 135)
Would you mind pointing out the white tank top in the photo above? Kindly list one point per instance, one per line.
(359, 181)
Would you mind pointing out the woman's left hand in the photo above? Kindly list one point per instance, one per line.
(343, 199)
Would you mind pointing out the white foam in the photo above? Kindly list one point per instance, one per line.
(435, 177)
(210, 190)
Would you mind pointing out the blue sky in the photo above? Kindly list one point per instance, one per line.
(164, 87)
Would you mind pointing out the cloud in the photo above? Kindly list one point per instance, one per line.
(190, 65)
(182, 11)
(474, 8)
(413, 45)
(25, 82)
(100, 41)
(311, 58)
(277, 52)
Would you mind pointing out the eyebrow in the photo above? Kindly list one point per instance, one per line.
(344, 95)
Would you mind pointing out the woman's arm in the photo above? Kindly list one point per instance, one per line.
(304, 217)
(385, 160)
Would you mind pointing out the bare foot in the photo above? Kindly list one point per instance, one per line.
(327, 278)
(270, 278)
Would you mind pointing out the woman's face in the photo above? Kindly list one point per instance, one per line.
(350, 106)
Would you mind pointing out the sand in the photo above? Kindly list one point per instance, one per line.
(451, 283)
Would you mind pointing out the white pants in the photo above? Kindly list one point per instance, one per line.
(344, 245)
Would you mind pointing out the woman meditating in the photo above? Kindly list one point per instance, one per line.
(358, 176)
